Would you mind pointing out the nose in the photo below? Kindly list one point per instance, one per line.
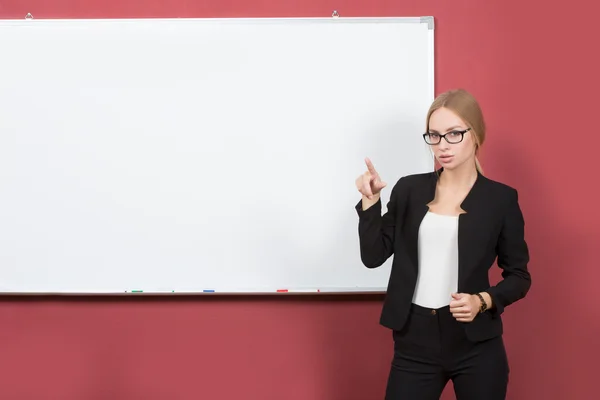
(443, 144)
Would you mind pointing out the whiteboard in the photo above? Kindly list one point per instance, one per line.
(202, 155)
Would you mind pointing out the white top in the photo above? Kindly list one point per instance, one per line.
(438, 261)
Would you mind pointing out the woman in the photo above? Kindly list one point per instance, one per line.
(445, 229)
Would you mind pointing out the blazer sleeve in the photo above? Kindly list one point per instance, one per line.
(375, 231)
(513, 257)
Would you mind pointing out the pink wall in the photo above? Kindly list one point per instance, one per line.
(534, 68)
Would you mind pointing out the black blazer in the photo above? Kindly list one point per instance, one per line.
(492, 227)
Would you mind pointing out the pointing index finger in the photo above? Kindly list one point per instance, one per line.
(370, 166)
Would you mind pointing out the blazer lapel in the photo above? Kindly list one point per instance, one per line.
(420, 198)
(468, 232)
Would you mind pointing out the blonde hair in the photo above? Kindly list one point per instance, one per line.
(466, 107)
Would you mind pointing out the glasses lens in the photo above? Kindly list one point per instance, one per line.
(432, 138)
(454, 137)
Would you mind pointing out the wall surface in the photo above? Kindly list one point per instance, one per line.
(531, 65)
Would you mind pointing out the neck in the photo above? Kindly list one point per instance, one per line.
(463, 176)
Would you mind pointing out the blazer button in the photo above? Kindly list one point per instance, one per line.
(433, 312)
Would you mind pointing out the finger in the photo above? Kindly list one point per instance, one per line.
(464, 319)
(457, 304)
(359, 183)
(461, 314)
(380, 185)
(370, 166)
(459, 296)
(463, 301)
(367, 185)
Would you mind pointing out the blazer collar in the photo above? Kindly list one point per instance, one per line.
(471, 196)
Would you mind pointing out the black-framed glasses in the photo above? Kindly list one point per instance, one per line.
(451, 137)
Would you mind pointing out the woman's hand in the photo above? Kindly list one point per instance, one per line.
(464, 307)
(370, 184)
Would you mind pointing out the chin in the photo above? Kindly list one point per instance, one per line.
(448, 165)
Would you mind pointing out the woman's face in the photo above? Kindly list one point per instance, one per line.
(460, 150)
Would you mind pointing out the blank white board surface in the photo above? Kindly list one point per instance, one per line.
(192, 155)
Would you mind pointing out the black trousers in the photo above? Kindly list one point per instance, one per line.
(432, 348)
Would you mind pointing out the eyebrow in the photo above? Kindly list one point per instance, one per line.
(449, 129)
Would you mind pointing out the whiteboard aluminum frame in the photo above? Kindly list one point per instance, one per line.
(429, 20)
